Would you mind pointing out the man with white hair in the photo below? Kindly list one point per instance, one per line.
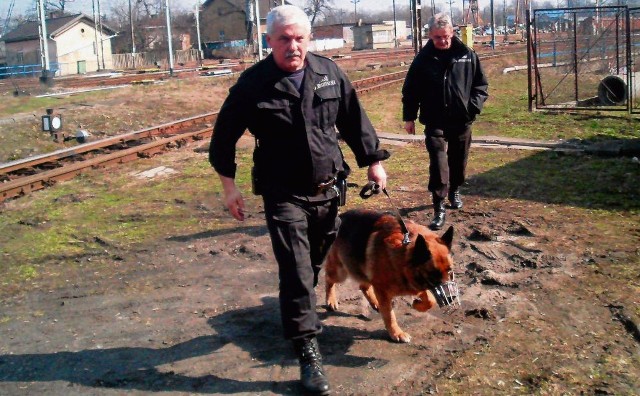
(294, 102)
(445, 82)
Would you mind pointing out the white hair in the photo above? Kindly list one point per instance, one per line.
(440, 20)
(285, 15)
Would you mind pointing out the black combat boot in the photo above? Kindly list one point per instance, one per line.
(311, 372)
(439, 215)
(454, 199)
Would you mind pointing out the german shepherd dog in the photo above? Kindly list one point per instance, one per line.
(369, 248)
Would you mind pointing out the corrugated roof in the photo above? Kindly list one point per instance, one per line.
(30, 30)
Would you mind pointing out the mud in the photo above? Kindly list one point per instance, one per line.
(198, 314)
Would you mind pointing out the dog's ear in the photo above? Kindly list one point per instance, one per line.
(421, 253)
(447, 237)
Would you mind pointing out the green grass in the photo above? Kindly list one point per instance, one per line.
(102, 213)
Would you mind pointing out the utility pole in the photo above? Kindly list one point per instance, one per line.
(95, 33)
(101, 34)
(44, 45)
(416, 24)
(451, 10)
(395, 27)
(258, 34)
(133, 38)
(493, 28)
(168, 14)
(355, 11)
(200, 54)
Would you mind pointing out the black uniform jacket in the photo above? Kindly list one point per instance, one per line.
(449, 92)
(297, 142)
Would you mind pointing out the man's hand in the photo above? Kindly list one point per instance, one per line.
(410, 127)
(377, 173)
(232, 198)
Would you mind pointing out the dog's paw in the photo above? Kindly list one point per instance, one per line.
(332, 306)
(401, 337)
(423, 302)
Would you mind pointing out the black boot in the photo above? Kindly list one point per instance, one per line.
(454, 199)
(438, 215)
(311, 372)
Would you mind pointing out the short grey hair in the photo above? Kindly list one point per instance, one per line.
(441, 20)
(285, 15)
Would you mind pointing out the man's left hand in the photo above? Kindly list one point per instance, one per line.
(377, 173)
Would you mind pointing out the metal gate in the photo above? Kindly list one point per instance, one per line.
(583, 58)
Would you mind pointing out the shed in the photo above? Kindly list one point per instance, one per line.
(373, 36)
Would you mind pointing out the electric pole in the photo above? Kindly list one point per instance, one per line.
(168, 14)
(258, 34)
(101, 34)
(133, 39)
(95, 34)
(200, 54)
(44, 45)
(355, 11)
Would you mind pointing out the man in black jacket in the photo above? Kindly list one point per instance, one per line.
(445, 82)
(293, 102)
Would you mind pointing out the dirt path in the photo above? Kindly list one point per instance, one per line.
(198, 314)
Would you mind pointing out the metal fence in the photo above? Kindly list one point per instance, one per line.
(26, 70)
(584, 58)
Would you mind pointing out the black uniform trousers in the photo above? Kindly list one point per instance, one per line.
(301, 233)
(448, 149)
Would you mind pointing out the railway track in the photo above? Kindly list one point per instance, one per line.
(21, 177)
(24, 176)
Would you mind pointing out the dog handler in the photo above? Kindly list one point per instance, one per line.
(446, 83)
(292, 102)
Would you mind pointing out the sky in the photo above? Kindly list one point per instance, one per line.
(21, 6)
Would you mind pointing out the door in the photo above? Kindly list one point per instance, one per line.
(82, 67)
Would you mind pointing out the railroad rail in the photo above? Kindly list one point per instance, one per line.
(24, 176)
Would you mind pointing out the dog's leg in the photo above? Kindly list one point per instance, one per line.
(370, 295)
(334, 273)
(389, 317)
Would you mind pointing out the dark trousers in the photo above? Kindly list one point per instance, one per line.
(301, 233)
(448, 149)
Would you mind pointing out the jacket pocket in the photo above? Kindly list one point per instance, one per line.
(326, 103)
(276, 113)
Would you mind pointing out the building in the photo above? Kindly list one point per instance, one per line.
(373, 36)
(341, 30)
(227, 20)
(75, 45)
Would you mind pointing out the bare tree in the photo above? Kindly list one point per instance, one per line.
(317, 9)
(58, 5)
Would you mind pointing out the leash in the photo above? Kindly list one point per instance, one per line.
(373, 188)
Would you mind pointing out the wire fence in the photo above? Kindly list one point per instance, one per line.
(584, 58)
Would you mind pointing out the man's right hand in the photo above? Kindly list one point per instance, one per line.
(410, 127)
(232, 198)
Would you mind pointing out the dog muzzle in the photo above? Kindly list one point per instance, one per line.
(447, 294)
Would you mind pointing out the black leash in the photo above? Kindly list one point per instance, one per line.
(373, 188)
